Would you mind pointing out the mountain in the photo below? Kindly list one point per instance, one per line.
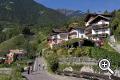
(74, 16)
(71, 13)
(29, 12)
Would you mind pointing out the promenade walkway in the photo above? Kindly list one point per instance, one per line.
(40, 74)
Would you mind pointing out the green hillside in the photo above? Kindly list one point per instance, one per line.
(28, 17)
(28, 12)
(15, 15)
(13, 43)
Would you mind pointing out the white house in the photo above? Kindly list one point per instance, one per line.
(76, 33)
(97, 26)
(58, 36)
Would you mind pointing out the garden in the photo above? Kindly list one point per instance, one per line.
(52, 55)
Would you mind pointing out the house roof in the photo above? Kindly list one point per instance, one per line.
(100, 17)
(81, 28)
(17, 51)
(59, 31)
(95, 15)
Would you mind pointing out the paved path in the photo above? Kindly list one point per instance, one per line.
(113, 44)
(44, 75)
(39, 73)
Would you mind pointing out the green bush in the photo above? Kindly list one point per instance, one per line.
(62, 52)
(99, 53)
(85, 51)
(53, 62)
(107, 46)
(4, 77)
(16, 75)
(70, 42)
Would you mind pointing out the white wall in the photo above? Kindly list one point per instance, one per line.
(58, 36)
(73, 36)
(65, 36)
(102, 22)
(59, 39)
(80, 34)
(95, 39)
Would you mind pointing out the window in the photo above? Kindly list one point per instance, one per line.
(103, 30)
(81, 36)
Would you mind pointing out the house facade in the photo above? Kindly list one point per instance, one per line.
(76, 33)
(18, 54)
(97, 26)
(58, 36)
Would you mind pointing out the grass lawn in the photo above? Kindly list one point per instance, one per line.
(12, 43)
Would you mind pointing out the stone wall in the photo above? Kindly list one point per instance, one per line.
(5, 70)
(78, 60)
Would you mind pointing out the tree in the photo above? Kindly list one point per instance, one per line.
(115, 24)
(88, 11)
(106, 12)
(26, 31)
(53, 62)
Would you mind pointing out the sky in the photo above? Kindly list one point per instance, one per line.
(83, 5)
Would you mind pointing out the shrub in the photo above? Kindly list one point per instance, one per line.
(78, 52)
(53, 62)
(62, 52)
(99, 53)
(71, 42)
(4, 77)
(16, 75)
(85, 51)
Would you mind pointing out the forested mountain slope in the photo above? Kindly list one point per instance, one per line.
(28, 12)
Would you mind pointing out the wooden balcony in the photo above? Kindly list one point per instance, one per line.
(103, 35)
